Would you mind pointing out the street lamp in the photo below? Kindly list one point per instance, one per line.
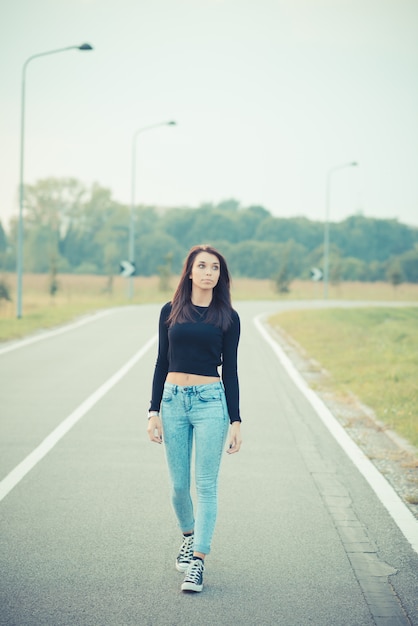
(326, 226)
(19, 264)
(131, 250)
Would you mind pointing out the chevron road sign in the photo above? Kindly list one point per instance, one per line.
(316, 274)
(127, 269)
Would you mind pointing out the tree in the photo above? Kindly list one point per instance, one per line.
(254, 259)
(353, 269)
(3, 240)
(372, 239)
(394, 273)
(5, 252)
(299, 229)
(51, 207)
(110, 258)
(376, 271)
(409, 265)
(40, 249)
(228, 205)
(165, 272)
(179, 224)
(102, 221)
(4, 291)
(73, 227)
(213, 225)
(153, 250)
(53, 280)
(290, 266)
(249, 221)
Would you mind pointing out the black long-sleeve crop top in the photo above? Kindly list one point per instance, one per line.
(198, 348)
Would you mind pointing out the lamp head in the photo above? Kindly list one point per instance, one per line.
(85, 46)
(171, 123)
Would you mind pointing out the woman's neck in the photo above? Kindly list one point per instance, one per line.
(201, 299)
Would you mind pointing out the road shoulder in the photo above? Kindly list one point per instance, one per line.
(394, 457)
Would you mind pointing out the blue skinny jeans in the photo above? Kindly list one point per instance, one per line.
(197, 413)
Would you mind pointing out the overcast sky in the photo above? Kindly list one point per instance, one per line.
(269, 95)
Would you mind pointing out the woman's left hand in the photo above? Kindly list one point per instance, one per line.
(234, 438)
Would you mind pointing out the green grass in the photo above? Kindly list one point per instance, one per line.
(371, 352)
(42, 318)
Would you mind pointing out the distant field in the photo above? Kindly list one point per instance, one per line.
(80, 294)
(371, 352)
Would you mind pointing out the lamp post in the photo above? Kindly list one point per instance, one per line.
(19, 263)
(131, 249)
(326, 225)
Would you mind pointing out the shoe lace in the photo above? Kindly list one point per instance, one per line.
(186, 548)
(195, 570)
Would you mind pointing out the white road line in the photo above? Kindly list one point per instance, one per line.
(53, 333)
(20, 471)
(383, 490)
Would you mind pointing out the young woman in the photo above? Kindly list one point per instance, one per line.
(198, 332)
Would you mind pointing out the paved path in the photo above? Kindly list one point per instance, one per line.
(87, 533)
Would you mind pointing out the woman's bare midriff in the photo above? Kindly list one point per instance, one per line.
(186, 380)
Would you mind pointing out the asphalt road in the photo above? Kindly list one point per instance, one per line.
(87, 532)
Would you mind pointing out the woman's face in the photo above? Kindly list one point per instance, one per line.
(205, 272)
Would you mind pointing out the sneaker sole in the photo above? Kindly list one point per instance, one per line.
(191, 587)
(182, 567)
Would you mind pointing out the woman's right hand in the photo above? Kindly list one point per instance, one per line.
(155, 429)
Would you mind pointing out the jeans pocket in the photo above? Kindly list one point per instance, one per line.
(167, 395)
(207, 395)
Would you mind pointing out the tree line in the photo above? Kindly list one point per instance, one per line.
(73, 228)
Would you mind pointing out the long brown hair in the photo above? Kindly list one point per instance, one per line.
(220, 309)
